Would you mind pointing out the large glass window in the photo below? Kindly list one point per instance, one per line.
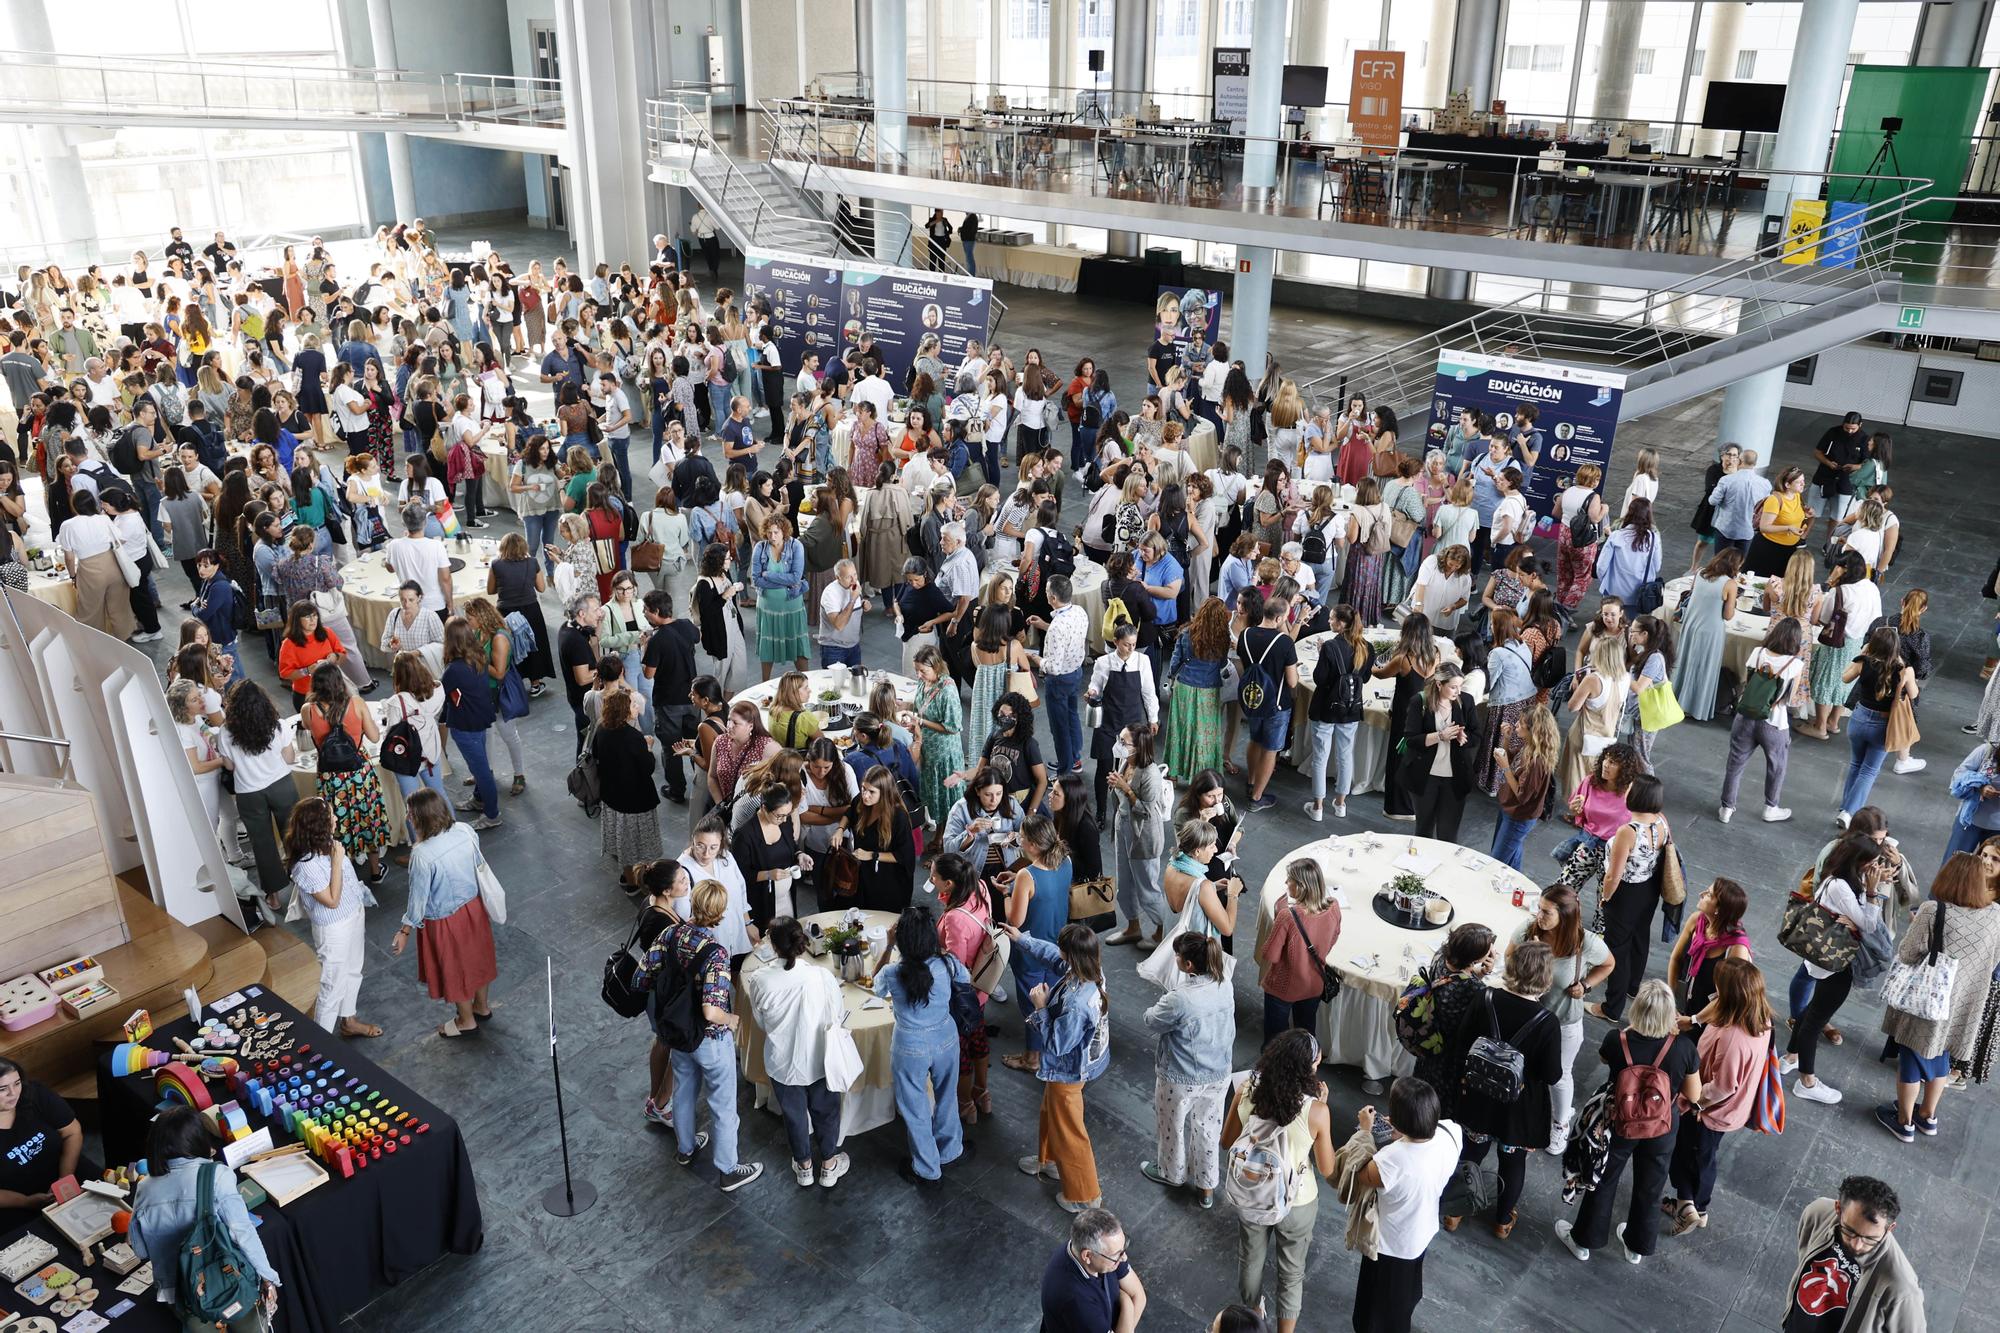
(1539, 59)
(1640, 53)
(1024, 49)
(1180, 51)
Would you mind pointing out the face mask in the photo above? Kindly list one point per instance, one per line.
(1120, 751)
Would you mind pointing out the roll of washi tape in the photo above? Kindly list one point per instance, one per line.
(175, 1082)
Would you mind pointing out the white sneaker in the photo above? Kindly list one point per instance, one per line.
(1630, 1257)
(1776, 814)
(1822, 1092)
(1902, 765)
(1557, 1143)
(1562, 1234)
(1340, 809)
(1313, 812)
(998, 995)
(803, 1173)
(1840, 819)
(1786, 1064)
(1723, 812)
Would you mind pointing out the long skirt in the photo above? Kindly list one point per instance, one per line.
(1823, 674)
(455, 955)
(1194, 731)
(360, 815)
(782, 635)
(631, 838)
(1497, 720)
(1364, 585)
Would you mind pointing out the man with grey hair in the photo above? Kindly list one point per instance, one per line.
(958, 579)
(841, 610)
(739, 437)
(576, 652)
(422, 560)
(1088, 1283)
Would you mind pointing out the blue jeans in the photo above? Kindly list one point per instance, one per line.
(409, 785)
(579, 442)
(1510, 835)
(812, 1119)
(971, 261)
(1866, 730)
(1323, 580)
(1801, 992)
(709, 1068)
(833, 654)
(1082, 446)
(149, 505)
(989, 460)
(1964, 838)
(1027, 975)
(620, 447)
(1060, 694)
(472, 745)
(1336, 738)
(636, 674)
(541, 534)
(718, 402)
(1280, 1016)
(1569, 846)
(924, 1073)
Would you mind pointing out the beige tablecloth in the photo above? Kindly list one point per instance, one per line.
(1051, 267)
(869, 1103)
(1745, 631)
(493, 493)
(1200, 444)
(56, 589)
(1371, 741)
(1375, 959)
(305, 769)
(370, 588)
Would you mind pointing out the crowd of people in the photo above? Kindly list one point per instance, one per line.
(708, 516)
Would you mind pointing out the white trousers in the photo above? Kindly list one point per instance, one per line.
(342, 948)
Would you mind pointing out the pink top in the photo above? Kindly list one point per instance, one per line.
(963, 929)
(1732, 1065)
(1604, 812)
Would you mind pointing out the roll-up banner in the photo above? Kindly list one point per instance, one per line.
(805, 302)
(1576, 414)
(900, 305)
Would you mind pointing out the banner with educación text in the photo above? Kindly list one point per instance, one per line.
(898, 306)
(1576, 415)
(805, 302)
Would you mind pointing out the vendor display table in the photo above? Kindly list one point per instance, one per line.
(1053, 267)
(343, 1243)
(1744, 632)
(870, 1103)
(1371, 740)
(370, 588)
(1376, 959)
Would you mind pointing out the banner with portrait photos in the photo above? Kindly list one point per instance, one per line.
(1576, 415)
(805, 303)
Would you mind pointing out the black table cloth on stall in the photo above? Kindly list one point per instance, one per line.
(348, 1240)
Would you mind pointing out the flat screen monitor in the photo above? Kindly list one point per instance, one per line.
(1305, 85)
(1752, 107)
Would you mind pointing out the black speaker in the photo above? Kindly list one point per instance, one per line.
(1096, 60)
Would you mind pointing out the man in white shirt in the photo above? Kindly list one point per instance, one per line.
(422, 560)
(808, 380)
(923, 471)
(841, 610)
(958, 579)
(97, 380)
(1062, 655)
(702, 226)
(874, 390)
(614, 411)
(1409, 1174)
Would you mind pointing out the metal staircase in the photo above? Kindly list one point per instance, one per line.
(1735, 320)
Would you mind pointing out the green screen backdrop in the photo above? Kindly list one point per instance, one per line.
(1939, 108)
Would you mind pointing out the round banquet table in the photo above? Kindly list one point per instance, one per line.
(370, 588)
(1200, 444)
(1087, 591)
(305, 768)
(871, 1102)
(1742, 633)
(1376, 959)
(493, 492)
(1371, 740)
(822, 679)
(54, 587)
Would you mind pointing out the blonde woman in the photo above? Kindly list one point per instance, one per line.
(1645, 483)
(1457, 520)
(1287, 438)
(1526, 757)
(1594, 707)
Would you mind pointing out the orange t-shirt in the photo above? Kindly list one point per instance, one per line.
(293, 657)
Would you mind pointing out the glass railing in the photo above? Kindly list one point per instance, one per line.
(69, 84)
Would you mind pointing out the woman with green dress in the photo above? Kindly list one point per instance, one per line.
(1194, 693)
(939, 719)
(778, 572)
(995, 652)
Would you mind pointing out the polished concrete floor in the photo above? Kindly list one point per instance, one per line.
(663, 1249)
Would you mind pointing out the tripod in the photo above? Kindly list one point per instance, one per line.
(1884, 156)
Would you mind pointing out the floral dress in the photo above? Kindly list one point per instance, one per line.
(360, 815)
(944, 751)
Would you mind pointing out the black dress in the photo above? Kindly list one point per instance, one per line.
(754, 856)
(886, 887)
(1396, 801)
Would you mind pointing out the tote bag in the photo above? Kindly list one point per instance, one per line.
(1923, 989)
(1901, 732)
(843, 1058)
(491, 893)
(1658, 707)
(1162, 968)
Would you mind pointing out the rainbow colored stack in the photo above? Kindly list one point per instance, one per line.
(131, 1058)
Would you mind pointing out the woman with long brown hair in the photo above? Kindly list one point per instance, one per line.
(1193, 736)
(335, 904)
(1072, 1016)
(455, 955)
(347, 780)
(883, 841)
(1881, 679)
(1582, 962)
(1411, 666)
(1735, 1034)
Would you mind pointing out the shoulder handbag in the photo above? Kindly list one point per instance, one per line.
(1901, 732)
(1161, 967)
(646, 553)
(1023, 684)
(989, 964)
(1659, 708)
(1834, 633)
(619, 989)
(1813, 931)
(1329, 978)
(1091, 898)
(1673, 875)
(127, 566)
(491, 893)
(843, 873)
(1923, 989)
(843, 1057)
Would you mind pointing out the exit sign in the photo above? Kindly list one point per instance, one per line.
(1912, 317)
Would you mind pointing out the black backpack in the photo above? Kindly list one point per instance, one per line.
(403, 747)
(1496, 1069)
(676, 999)
(1314, 547)
(337, 751)
(620, 989)
(1548, 670)
(1056, 556)
(1258, 693)
(705, 491)
(1585, 531)
(242, 611)
(728, 364)
(630, 512)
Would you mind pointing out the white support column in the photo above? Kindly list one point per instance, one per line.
(402, 181)
(72, 239)
(1952, 33)
(1819, 58)
(888, 31)
(1475, 44)
(607, 158)
(1130, 21)
(1250, 325)
(1618, 58)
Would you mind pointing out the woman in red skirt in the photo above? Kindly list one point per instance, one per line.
(454, 937)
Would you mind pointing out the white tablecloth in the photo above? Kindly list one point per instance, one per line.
(871, 1102)
(1376, 959)
(1200, 442)
(493, 493)
(1746, 630)
(305, 768)
(1371, 741)
(831, 678)
(370, 587)
(1087, 591)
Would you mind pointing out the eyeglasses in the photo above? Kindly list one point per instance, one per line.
(1856, 1240)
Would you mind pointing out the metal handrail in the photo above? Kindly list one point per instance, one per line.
(1749, 298)
(33, 78)
(510, 99)
(672, 120)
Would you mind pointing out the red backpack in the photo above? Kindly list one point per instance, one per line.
(1642, 1096)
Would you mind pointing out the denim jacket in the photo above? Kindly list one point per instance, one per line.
(164, 1213)
(789, 573)
(959, 822)
(444, 875)
(1196, 1026)
(1972, 774)
(1069, 1022)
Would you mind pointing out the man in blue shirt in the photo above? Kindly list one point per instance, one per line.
(739, 435)
(562, 365)
(1088, 1285)
(1735, 499)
